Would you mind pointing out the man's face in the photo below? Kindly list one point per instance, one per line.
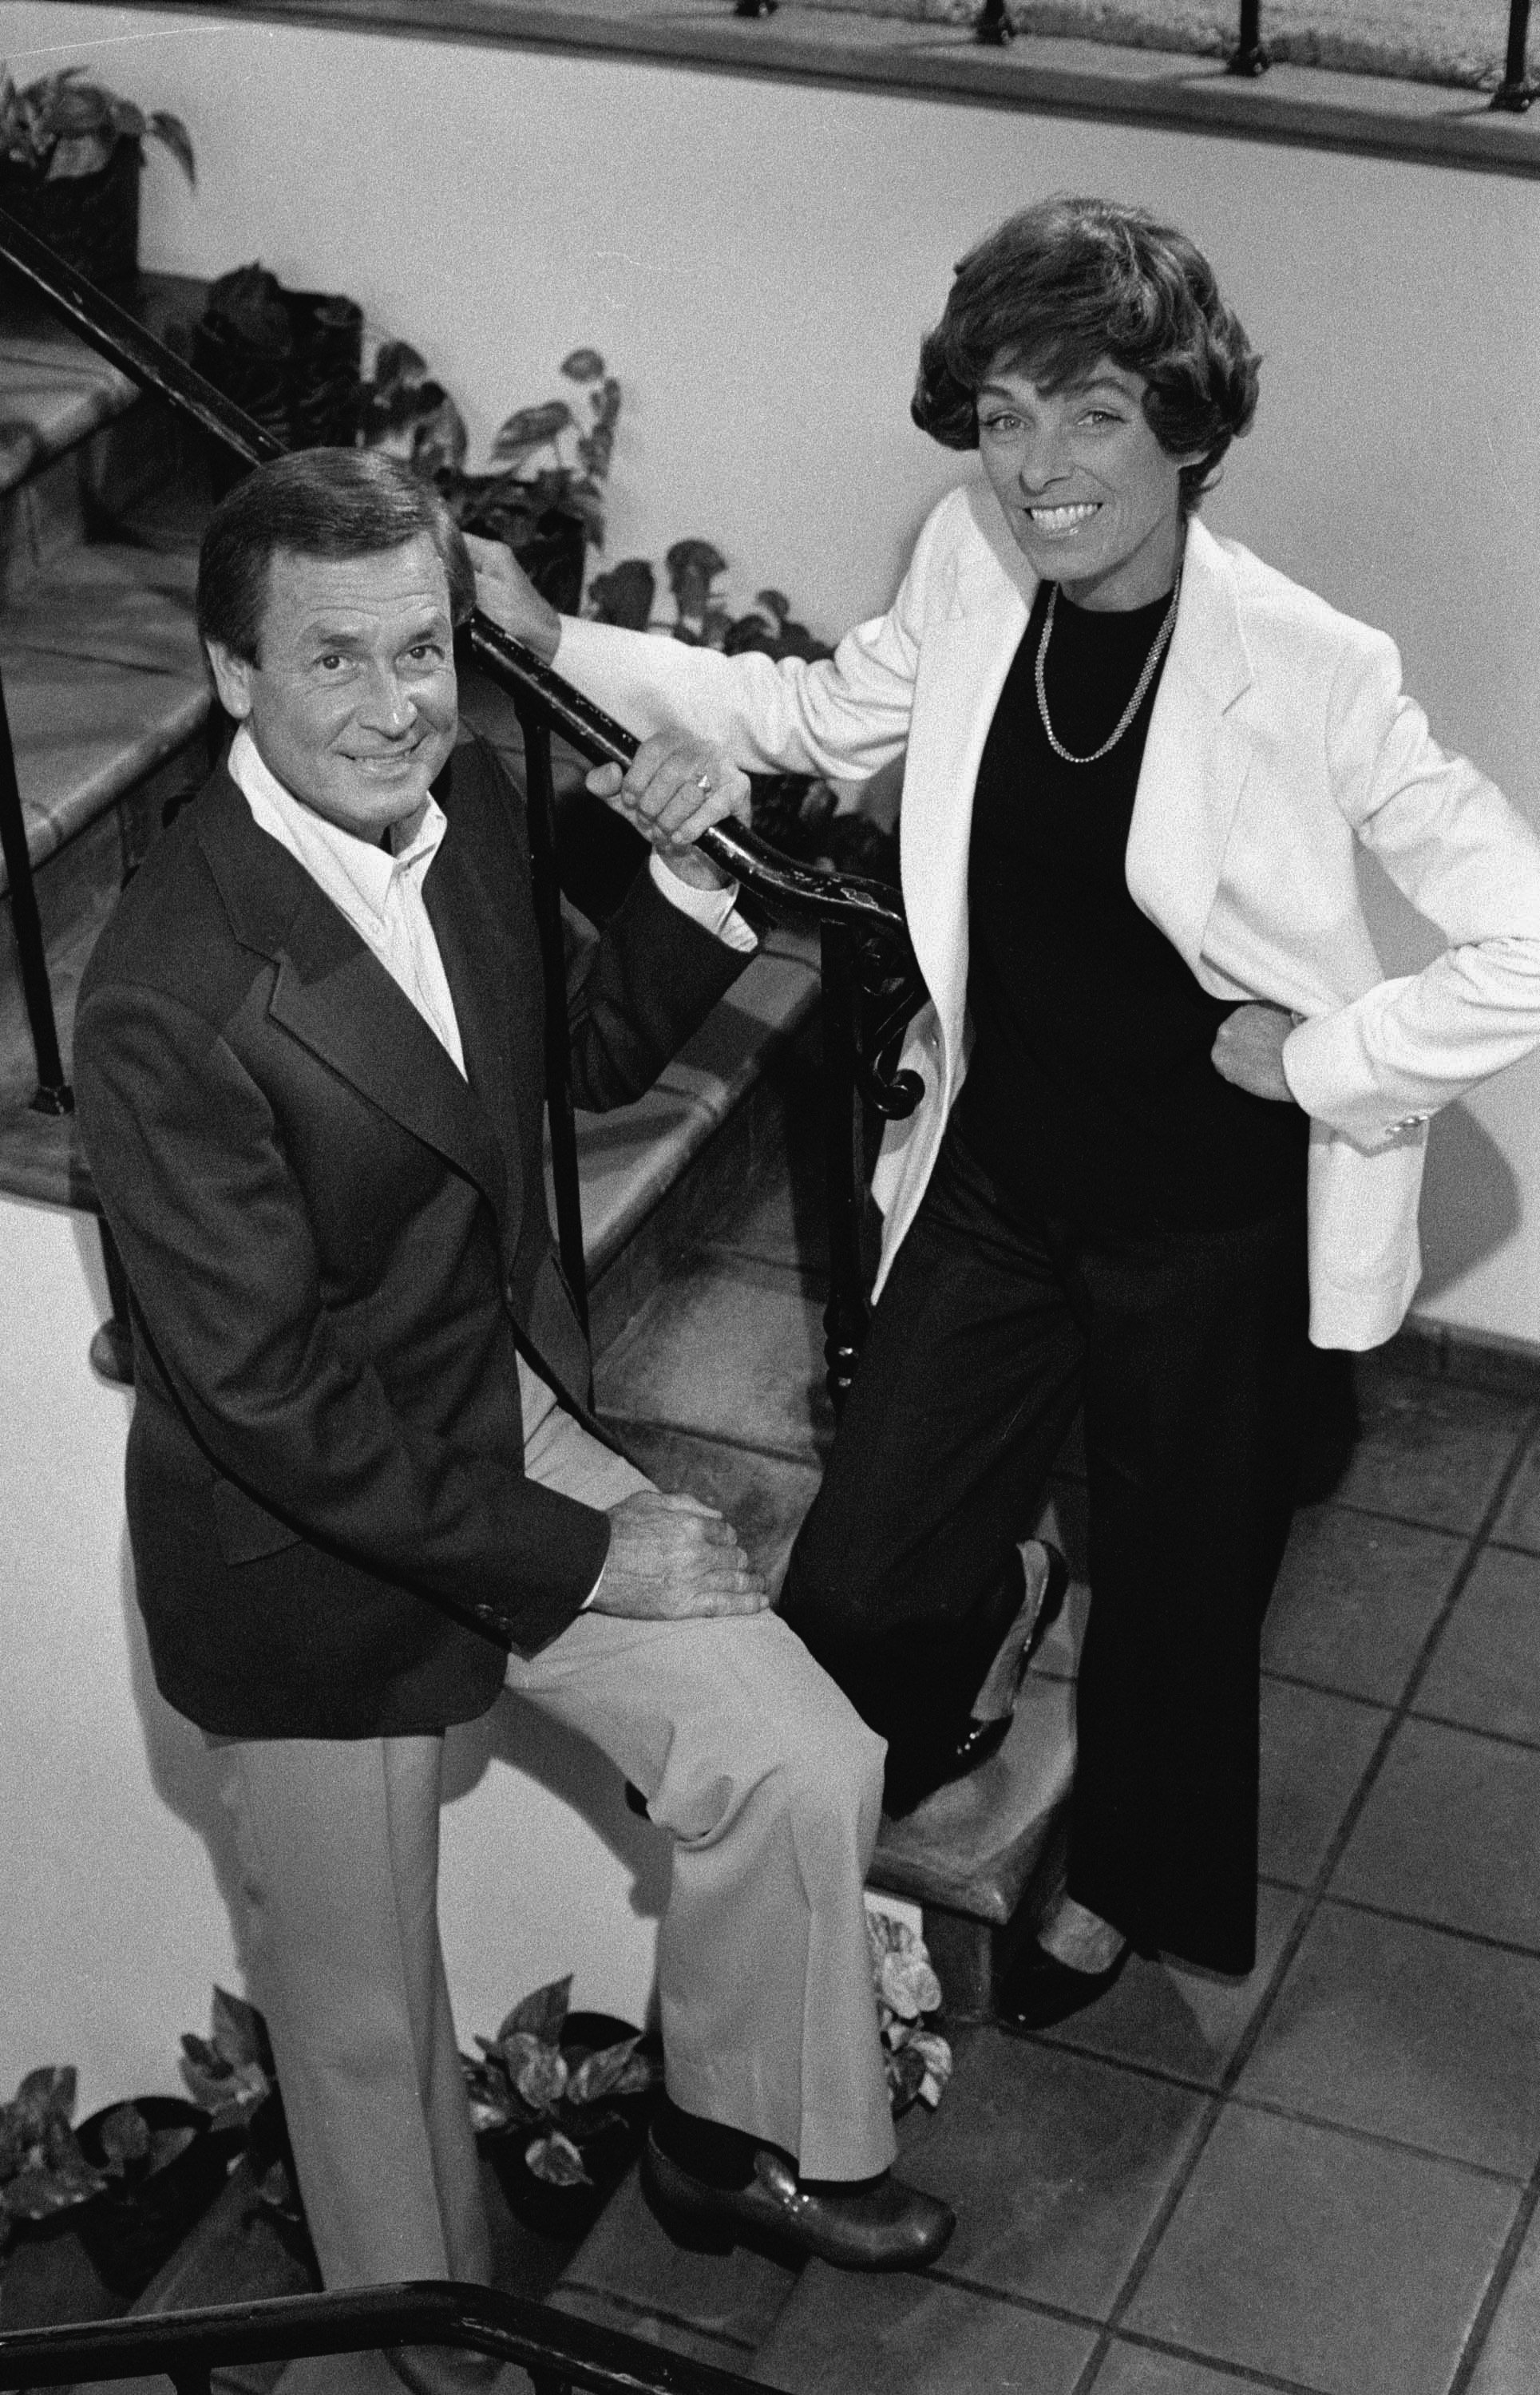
(353, 701)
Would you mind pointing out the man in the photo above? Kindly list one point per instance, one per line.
(361, 1467)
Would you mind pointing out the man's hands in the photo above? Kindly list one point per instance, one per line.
(1248, 1050)
(675, 788)
(674, 1559)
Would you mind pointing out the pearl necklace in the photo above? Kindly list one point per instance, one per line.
(1140, 687)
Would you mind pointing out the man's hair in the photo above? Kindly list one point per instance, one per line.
(1060, 287)
(323, 503)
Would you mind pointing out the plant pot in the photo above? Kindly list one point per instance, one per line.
(135, 2226)
(568, 2212)
(91, 221)
(307, 393)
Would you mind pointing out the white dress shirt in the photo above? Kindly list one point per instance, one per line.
(379, 894)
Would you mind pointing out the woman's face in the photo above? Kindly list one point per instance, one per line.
(1093, 499)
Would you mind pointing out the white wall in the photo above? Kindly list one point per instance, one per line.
(757, 262)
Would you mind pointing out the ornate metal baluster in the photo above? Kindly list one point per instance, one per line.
(1516, 91)
(1250, 55)
(846, 1313)
(53, 1094)
(540, 799)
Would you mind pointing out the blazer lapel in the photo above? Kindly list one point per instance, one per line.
(1197, 755)
(338, 1000)
(965, 654)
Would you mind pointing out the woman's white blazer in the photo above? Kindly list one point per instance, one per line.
(1280, 736)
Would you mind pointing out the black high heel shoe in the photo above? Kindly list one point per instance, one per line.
(907, 1785)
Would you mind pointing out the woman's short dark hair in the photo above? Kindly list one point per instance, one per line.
(1061, 286)
(328, 503)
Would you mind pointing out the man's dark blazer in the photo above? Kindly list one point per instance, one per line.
(337, 1248)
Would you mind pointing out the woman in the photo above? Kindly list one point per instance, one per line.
(1174, 1112)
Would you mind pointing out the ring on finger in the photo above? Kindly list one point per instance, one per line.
(703, 782)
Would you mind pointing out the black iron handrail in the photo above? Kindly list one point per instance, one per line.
(1251, 57)
(559, 2352)
(798, 892)
(864, 936)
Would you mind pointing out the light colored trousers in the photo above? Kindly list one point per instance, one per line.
(772, 1787)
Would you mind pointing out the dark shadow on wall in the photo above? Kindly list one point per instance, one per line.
(1471, 1202)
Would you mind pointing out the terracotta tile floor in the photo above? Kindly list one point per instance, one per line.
(1323, 2180)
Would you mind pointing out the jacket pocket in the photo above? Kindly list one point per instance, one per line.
(245, 1528)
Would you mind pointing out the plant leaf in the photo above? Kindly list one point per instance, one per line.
(125, 2136)
(541, 2078)
(600, 2074)
(397, 362)
(46, 2096)
(528, 428)
(541, 2013)
(239, 2031)
(557, 2161)
(170, 131)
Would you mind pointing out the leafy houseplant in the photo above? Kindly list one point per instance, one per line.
(70, 158)
(559, 2100)
(232, 2072)
(43, 2172)
(917, 2058)
(132, 2179)
(543, 494)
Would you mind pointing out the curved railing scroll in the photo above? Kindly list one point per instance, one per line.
(872, 984)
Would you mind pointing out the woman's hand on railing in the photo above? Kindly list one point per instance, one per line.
(674, 789)
(505, 592)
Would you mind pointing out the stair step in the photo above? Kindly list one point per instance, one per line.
(629, 2274)
(700, 1134)
(969, 1856)
(104, 678)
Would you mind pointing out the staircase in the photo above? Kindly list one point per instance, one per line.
(102, 496)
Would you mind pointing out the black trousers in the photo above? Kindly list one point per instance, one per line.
(1186, 1349)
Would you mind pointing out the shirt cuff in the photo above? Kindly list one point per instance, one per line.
(714, 910)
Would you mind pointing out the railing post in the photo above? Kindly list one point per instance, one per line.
(540, 803)
(846, 1313)
(53, 1094)
(1250, 57)
(1516, 92)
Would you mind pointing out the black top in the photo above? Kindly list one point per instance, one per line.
(1092, 1094)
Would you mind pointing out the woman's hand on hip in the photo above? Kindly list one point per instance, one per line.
(1248, 1050)
(505, 592)
(674, 789)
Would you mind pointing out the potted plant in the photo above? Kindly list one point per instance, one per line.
(69, 157)
(293, 359)
(917, 2058)
(232, 2072)
(544, 491)
(561, 2101)
(131, 2182)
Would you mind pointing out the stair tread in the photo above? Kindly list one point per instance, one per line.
(54, 389)
(85, 736)
(628, 1159)
(974, 1846)
(630, 2274)
(110, 603)
(50, 404)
